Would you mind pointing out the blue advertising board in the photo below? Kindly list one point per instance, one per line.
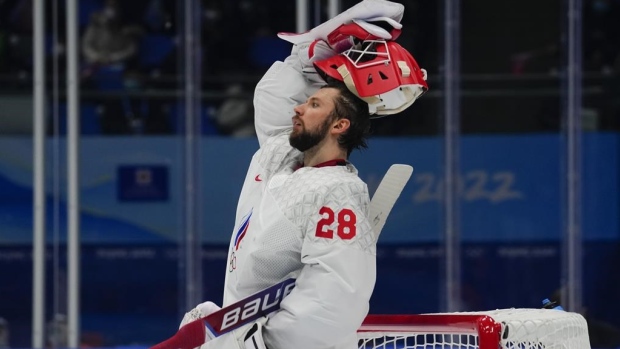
(512, 188)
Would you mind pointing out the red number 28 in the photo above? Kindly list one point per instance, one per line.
(345, 223)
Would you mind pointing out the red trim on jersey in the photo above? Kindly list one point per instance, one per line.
(335, 162)
(311, 49)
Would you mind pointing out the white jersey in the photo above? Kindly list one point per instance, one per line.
(309, 223)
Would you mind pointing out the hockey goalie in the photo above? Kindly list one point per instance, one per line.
(303, 211)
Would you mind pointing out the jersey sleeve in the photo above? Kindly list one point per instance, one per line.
(281, 89)
(332, 293)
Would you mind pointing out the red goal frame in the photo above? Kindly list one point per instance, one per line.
(485, 327)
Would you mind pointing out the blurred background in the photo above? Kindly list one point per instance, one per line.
(514, 198)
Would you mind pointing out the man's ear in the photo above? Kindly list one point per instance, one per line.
(341, 125)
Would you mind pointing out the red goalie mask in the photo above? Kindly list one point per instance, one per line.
(382, 73)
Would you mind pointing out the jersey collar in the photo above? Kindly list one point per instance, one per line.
(335, 162)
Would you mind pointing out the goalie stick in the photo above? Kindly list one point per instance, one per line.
(385, 196)
(260, 304)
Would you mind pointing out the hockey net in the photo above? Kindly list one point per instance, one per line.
(502, 328)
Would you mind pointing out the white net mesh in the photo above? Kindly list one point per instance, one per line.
(418, 341)
(503, 328)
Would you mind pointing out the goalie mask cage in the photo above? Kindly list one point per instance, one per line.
(502, 328)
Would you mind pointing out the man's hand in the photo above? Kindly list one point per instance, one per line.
(311, 52)
(382, 13)
(343, 38)
(380, 28)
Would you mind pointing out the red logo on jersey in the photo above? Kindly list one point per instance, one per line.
(257, 178)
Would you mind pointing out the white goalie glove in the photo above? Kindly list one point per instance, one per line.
(386, 15)
(348, 34)
(343, 38)
(310, 52)
(368, 20)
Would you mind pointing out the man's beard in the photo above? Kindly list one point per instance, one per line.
(305, 140)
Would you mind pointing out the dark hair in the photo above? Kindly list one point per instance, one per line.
(349, 106)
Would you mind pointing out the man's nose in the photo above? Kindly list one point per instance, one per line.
(299, 109)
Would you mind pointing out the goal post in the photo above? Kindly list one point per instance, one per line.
(502, 328)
